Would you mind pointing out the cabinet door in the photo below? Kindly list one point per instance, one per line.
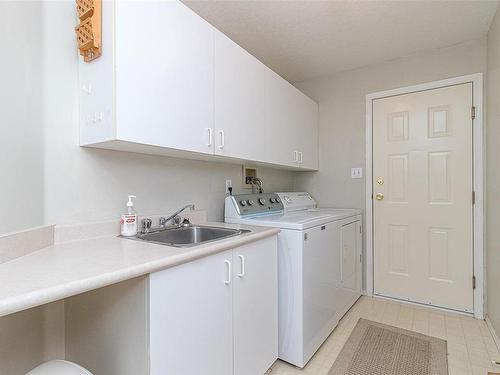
(281, 123)
(307, 112)
(239, 102)
(190, 318)
(255, 307)
(164, 75)
(292, 118)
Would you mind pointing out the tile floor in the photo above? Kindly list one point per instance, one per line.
(471, 348)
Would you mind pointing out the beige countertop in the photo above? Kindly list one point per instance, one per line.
(66, 269)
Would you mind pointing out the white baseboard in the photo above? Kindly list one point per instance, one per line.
(493, 333)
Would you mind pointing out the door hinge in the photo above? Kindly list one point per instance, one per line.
(473, 113)
(473, 282)
(473, 197)
(305, 236)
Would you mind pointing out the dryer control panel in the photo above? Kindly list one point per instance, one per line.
(295, 201)
(243, 205)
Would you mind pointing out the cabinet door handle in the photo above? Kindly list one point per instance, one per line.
(295, 156)
(228, 268)
(300, 157)
(222, 139)
(242, 262)
(209, 130)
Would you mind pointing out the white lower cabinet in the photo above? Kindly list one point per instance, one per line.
(255, 307)
(216, 315)
(190, 318)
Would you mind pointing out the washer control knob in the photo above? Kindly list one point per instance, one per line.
(250, 202)
(271, 200)
(262, 201)
(277, 200)
(243, 203)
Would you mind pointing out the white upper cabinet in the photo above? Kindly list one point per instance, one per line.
(164, 75)
(169, 83)
(280, 119)
(292, 118)
(239, 102)
(308, 140)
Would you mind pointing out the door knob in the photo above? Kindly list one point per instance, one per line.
(379, 196)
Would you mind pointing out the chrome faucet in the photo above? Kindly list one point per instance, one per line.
(176, 220)
(256, 181)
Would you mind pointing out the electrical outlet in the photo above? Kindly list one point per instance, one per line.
(229, 184)
(356, 172)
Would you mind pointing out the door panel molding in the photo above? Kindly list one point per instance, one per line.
(439, 129)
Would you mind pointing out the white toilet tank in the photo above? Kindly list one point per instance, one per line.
(59, 367)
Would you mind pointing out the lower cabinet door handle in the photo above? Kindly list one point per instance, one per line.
(242, 262)
(228, 267)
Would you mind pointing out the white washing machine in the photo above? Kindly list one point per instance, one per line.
(319, 260)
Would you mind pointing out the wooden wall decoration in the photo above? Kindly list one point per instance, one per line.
(88, 31)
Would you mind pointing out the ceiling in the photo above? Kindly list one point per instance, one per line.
(306, 39)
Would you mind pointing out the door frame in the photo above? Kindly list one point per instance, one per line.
(478, 180)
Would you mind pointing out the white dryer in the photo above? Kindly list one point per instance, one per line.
(350, 229)
(319, 260)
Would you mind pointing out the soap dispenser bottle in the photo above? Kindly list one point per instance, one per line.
(128, 221)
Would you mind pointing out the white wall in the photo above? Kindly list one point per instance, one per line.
(46, 176)
(342, 105)
(31, 337)
(341, 100)
(89, 185)
(35, 335)
(493, 172)
(21, 140)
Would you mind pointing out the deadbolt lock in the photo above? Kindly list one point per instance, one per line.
(380, 181)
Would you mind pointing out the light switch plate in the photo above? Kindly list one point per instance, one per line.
(356, 172)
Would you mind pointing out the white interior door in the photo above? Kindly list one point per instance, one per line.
(422, 203)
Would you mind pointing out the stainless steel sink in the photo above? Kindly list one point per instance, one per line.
(189, 235)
